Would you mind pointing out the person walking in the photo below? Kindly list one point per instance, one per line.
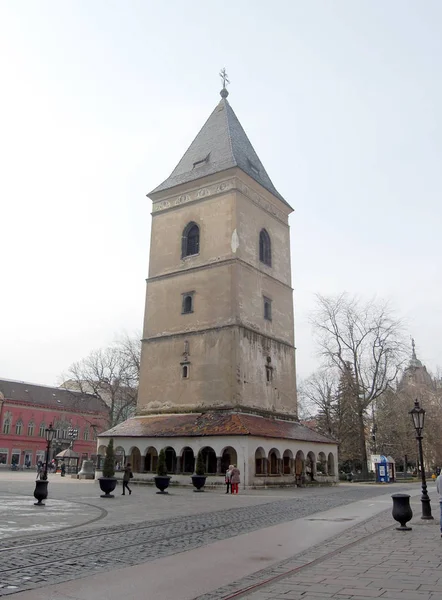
(126, 478)
(227, 479)
(234, 479)
(439, 491)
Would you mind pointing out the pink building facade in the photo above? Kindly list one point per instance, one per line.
(26, 410)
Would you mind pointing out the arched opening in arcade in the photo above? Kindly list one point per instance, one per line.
(260, 462)
(274, 457)
(287, 462)
(150, 460)
(209, 458)
(135, 459)
(119, 458)
(228, 457)
(170, 459)
(299, 467)
(321, 465)
(331, 464)
(310, 466)
(187, 461)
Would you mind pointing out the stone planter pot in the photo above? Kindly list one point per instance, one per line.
(162, 483)
(41, 491)
(199, 481)
(107, 485)
(402, 512)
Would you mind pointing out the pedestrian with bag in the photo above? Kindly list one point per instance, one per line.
(235, 479)
(126, 478)
(227, 479)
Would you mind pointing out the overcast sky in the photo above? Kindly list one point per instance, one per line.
(99, 99)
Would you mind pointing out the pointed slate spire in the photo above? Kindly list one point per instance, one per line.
(221, 144)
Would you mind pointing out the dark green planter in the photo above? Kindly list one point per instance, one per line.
(162, 483)
(199, 481)
(107, 485)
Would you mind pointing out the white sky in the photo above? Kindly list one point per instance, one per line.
(98, 101)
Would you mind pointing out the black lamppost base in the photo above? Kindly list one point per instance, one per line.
(404, 528)
(426, 510)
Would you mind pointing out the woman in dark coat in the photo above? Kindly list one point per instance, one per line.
(235, 479)
(126, 478)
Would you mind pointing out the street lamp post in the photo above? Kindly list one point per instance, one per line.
(41, 485)
(418, 416)
(49, 435)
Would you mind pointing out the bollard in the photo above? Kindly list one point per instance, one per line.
(402, 512)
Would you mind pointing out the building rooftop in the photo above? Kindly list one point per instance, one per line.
(214, 423)
(221, 144)
(53, 397)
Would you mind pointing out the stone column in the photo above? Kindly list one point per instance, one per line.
(280, 466)
(265, 468)
(218, 465)
(178, 465)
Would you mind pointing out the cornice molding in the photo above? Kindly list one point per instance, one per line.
(218, 263)
(215, 189)
(187, 333)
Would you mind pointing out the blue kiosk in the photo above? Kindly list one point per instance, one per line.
(384, 468)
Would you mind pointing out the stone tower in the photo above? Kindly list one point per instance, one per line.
(219, 326)
(218, 357)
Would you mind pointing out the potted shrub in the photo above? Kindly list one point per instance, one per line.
(162, 478)
(108, 482)
(199, 479)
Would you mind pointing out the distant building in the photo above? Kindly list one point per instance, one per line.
(27, 409)
(416, 378)
(121, 399)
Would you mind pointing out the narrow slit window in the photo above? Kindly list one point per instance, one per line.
(265, 248)
(190, 240)
(187, 303)
(267, 309)
(185, 372)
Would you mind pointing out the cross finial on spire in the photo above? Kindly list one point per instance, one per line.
(413, 348)
(224, 93)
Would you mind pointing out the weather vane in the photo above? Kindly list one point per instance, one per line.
(225, 80)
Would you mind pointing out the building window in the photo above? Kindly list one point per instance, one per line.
(18, 427)
(6, 425)
(190, 240)
(3, 456)
(187, 303)
(31, 429)
(41, 432)
(265, 248)
(86, 434)
(185, 372)
(267, 309)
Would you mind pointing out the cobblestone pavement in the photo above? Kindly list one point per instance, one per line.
(371, 560)
(81, 553)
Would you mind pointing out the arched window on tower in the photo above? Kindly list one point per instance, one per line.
(190, 240)
(265, 248)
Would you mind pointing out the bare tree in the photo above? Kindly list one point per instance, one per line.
(369, 338)
(112, 375)
(317, 397)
